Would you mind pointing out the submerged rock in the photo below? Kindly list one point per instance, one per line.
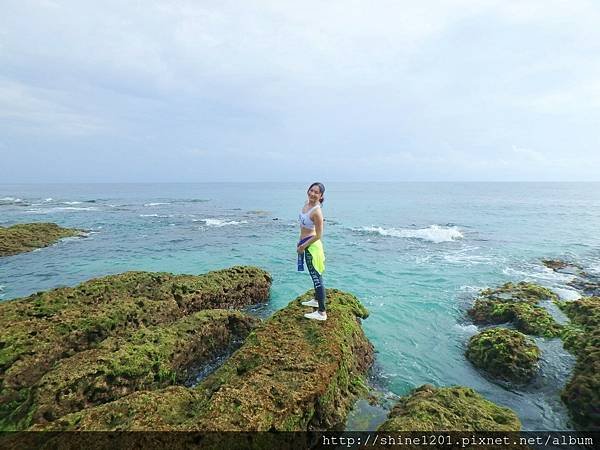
(516, 303)
(582, 392)
(26, 237)
(505, 354)
(454, 408)
(588, 285)
(291, 373)
(38, 331)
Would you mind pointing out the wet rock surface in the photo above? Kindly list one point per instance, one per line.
(30, 236)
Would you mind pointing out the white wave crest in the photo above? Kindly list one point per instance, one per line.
(10, 200)
(65, 208)
(433, 233)
(49, 199)
(467, 329)
(471, 289)
(222, 222)
(68, 203)
(155, 204)
(567, 294)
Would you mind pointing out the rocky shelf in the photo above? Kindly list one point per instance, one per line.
(30, 236)
(291, 374)
(46, 339)
(516, 303)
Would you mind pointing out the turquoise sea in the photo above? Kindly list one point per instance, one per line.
(415, 254)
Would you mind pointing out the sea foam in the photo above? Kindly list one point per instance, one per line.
(10, 200)
(222, 222)
(433, 233)
(57, 209)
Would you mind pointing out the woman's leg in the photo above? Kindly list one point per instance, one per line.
(317, 281)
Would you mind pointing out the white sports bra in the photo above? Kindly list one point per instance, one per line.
(305, 220)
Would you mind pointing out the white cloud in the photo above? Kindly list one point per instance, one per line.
(269, 79)
(33, 109)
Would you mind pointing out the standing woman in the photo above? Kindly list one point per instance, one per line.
(310, 248)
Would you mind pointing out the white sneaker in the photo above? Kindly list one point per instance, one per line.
(311, 302)
(316, 315)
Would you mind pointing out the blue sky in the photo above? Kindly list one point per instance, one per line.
(188, 91)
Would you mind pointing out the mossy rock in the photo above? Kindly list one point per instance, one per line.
(454, 408)
(26, 237)
(582, 392)
(519, 292)
(560, 266)
(38, 331)
(554, 264)
(148, 359)
(516, 303)
(291, 374)
(504, 354)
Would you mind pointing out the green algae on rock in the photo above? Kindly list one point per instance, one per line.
(582, 392)
(516, 303)
(38, 331)
(520, 292)
(26, 237)
(148, 359)
(454, 408)
(505, 354)
(290, 374)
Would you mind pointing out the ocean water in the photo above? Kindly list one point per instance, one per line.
(415, 254)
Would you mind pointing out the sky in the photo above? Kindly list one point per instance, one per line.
(282, 90)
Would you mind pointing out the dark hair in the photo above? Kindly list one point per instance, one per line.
(321, 188)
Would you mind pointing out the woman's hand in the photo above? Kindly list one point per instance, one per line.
(300, 249)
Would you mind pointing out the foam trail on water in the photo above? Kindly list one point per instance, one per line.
(66, 208)
(433, 233)
(222, 222)
(567, 294)
(10, 200)
(467, 329)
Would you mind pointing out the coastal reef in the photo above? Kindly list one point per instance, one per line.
(147, 359)
(30, 236)
(582, 337)
(454, 408)
(291, 374)
(504, 354)
(584, 282)
(516, 303)
(40, 331)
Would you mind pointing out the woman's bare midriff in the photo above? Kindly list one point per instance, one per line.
(305, 232)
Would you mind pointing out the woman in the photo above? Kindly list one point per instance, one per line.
(310, 248)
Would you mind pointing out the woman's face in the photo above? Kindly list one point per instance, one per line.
(314, 194)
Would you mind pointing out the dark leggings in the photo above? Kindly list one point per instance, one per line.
(317, 281)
